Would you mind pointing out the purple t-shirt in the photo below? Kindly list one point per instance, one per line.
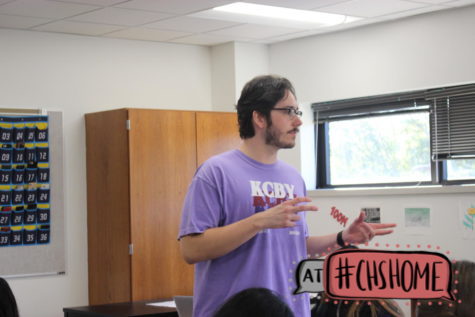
(230, 187)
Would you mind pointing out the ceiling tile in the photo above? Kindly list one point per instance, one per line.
(203, 39)
(146, 34)
(44, 9)
(405, 14)
(324, 3)
(254, 31)
(190, 24)
(460, 3)
(119, 16)
(102, 3)
(432, 1)
(157, 20)
(19, 22)
(296, 4)
(371, 8)
(290, 36)
(173, 6)
(78, 28)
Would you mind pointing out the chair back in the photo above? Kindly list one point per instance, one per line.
(184, 305)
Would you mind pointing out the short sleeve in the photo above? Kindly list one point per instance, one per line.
(305, 194)
(201, 209)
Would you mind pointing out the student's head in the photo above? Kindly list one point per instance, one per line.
(254, 302)
(464, 274)
(8, 307)
(260, 94)
(465, 287)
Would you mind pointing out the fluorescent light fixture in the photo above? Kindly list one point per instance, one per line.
(280, 13)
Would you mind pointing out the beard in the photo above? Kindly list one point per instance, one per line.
(274, 137)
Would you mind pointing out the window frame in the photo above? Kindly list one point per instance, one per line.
(323, 158)
(344, 112)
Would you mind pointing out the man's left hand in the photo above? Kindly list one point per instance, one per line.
(361, 232)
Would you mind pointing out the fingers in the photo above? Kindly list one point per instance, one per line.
(294, 218)
(361, 217)
(383, 232)
(381, 229)
(382, 225)
(291, 221)
(297, 201)
(305, 208)
(299, 208)
(368, 231)
(362, 232)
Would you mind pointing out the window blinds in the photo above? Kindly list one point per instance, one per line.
(367, 106)
(453, 126)
(452, 115)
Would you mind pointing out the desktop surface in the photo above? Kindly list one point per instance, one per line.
(127, 309)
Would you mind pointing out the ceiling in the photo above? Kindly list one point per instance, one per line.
(181, 21)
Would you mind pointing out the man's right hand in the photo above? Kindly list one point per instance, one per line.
(283, 215)
(216, 242)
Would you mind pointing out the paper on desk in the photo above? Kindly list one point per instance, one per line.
(170, 303)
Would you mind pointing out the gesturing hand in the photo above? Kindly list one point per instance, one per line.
(283, 215)
(361, 232)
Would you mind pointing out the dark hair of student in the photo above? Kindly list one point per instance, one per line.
(328, 307)
(260, 94)
(8, 307)
(465, 292)
(254, 302)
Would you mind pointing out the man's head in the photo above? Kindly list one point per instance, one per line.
(261, 94)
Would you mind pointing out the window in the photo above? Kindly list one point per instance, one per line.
(421, 137)
(386, 149)
(460, 169)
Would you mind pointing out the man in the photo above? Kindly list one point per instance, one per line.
(242, 223)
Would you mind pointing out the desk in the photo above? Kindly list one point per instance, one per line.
(129, 309)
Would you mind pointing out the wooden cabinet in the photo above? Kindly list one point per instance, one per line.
(139, 165)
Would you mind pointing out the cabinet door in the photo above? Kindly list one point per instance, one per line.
(108, 219)
(162, 164)
(216, 132)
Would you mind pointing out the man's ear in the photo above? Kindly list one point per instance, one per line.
(259, 120)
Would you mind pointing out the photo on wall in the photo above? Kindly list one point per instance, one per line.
(373, 214)
(417, 220)
(467, 219)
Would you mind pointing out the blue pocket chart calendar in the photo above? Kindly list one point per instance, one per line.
(31, 198)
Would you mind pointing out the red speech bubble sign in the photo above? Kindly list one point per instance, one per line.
(387, 274)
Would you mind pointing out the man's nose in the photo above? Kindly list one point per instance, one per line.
(297, 121)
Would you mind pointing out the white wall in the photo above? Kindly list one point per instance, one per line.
(223, 68)
(447, 231)
(232, 66)
(251, 60)
(78, 74)
(418, 52)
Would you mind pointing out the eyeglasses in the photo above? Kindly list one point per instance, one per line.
(292, 112)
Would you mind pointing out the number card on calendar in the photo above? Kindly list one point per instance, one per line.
(24, 181)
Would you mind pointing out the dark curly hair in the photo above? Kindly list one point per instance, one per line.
(260, 94)
(8, 306)
(254, 302)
